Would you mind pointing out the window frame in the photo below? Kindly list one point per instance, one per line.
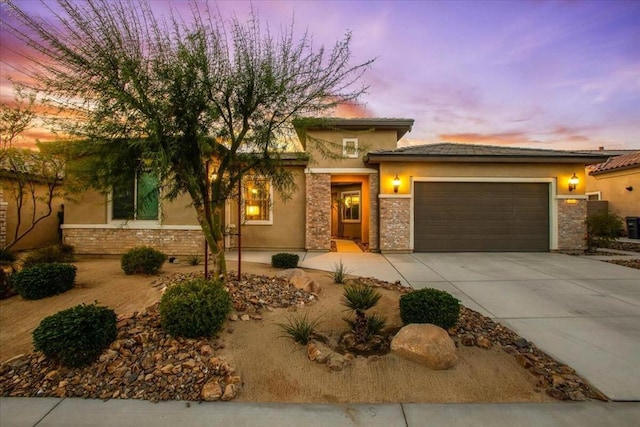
(346, 151)
(245, 220)
(343, 197)
(134, 220)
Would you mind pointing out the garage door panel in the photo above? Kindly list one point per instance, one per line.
(454, 217)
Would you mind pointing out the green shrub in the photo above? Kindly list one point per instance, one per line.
(195, 308)
(44, 280)
(142, 260)
(299, 328)
(76, 336)
(49, 255)
(603, 229)
(430, 306)
(284, 260)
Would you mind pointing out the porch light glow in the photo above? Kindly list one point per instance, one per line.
(253, 210)
(396, 183)
(573, 182)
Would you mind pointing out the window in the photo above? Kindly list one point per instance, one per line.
(350, 148)
(257, 201)
(350, 206)
(136, 199)
(593, 196)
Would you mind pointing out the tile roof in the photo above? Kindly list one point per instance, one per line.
(457, 150)
(616, 163)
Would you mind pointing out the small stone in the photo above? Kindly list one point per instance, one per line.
(245, 317)
(521, 342)
(336, 362)
(230, 392)
(233, 317)
(577, 396)
(523, 361)
(468, 340)
(483, 342)
(557, 394)
(211, 391)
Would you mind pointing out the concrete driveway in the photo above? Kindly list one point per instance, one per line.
(582, 311)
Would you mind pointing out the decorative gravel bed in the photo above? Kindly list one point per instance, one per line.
(146, 363)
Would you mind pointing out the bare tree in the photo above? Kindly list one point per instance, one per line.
(174, 93)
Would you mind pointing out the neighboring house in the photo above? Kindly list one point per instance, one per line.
(447, 197)
(616, 181)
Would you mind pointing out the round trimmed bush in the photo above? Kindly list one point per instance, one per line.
(76, 336)
(142, 260)
(195, 308)
(44, 280)
(284, 260)
(433, 306)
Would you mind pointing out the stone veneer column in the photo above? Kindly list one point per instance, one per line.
(572, 229)
(395, 224)
(374, 189)
(3, 219)
(318, 212)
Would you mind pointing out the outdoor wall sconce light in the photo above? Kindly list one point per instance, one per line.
(573, 182)
(629, 188)
(396, 183)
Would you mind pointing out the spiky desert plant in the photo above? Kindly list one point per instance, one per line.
(340, 272)
(360, 298)
(299, 328)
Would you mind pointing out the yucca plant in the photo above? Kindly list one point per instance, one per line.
(194, 259)
(375, 324)
(299, 328)
(360, 298)
(340, 272)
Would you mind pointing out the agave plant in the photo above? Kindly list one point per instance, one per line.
(360, 298)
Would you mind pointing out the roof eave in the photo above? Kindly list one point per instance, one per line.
(373, 158)
(618, 169)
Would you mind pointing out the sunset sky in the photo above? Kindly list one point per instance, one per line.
(547, 74)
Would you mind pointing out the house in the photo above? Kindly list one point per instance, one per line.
(616, 181)
(440, 197)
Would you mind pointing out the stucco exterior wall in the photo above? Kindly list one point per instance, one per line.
(612, 187)
(367, 141)
(287, 231)
(45, 232)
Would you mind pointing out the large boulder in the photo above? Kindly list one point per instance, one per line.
(300, 279)
(425, 344)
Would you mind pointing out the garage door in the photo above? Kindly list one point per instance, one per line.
(481, 217)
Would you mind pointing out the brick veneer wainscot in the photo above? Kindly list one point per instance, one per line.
(572, 228)
(395, 224)
(318, 212)
(118, 241)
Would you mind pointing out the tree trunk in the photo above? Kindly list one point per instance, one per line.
(212, 223)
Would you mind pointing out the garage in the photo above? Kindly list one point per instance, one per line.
(481, 217)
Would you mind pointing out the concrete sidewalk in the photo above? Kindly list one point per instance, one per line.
(42, 412)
